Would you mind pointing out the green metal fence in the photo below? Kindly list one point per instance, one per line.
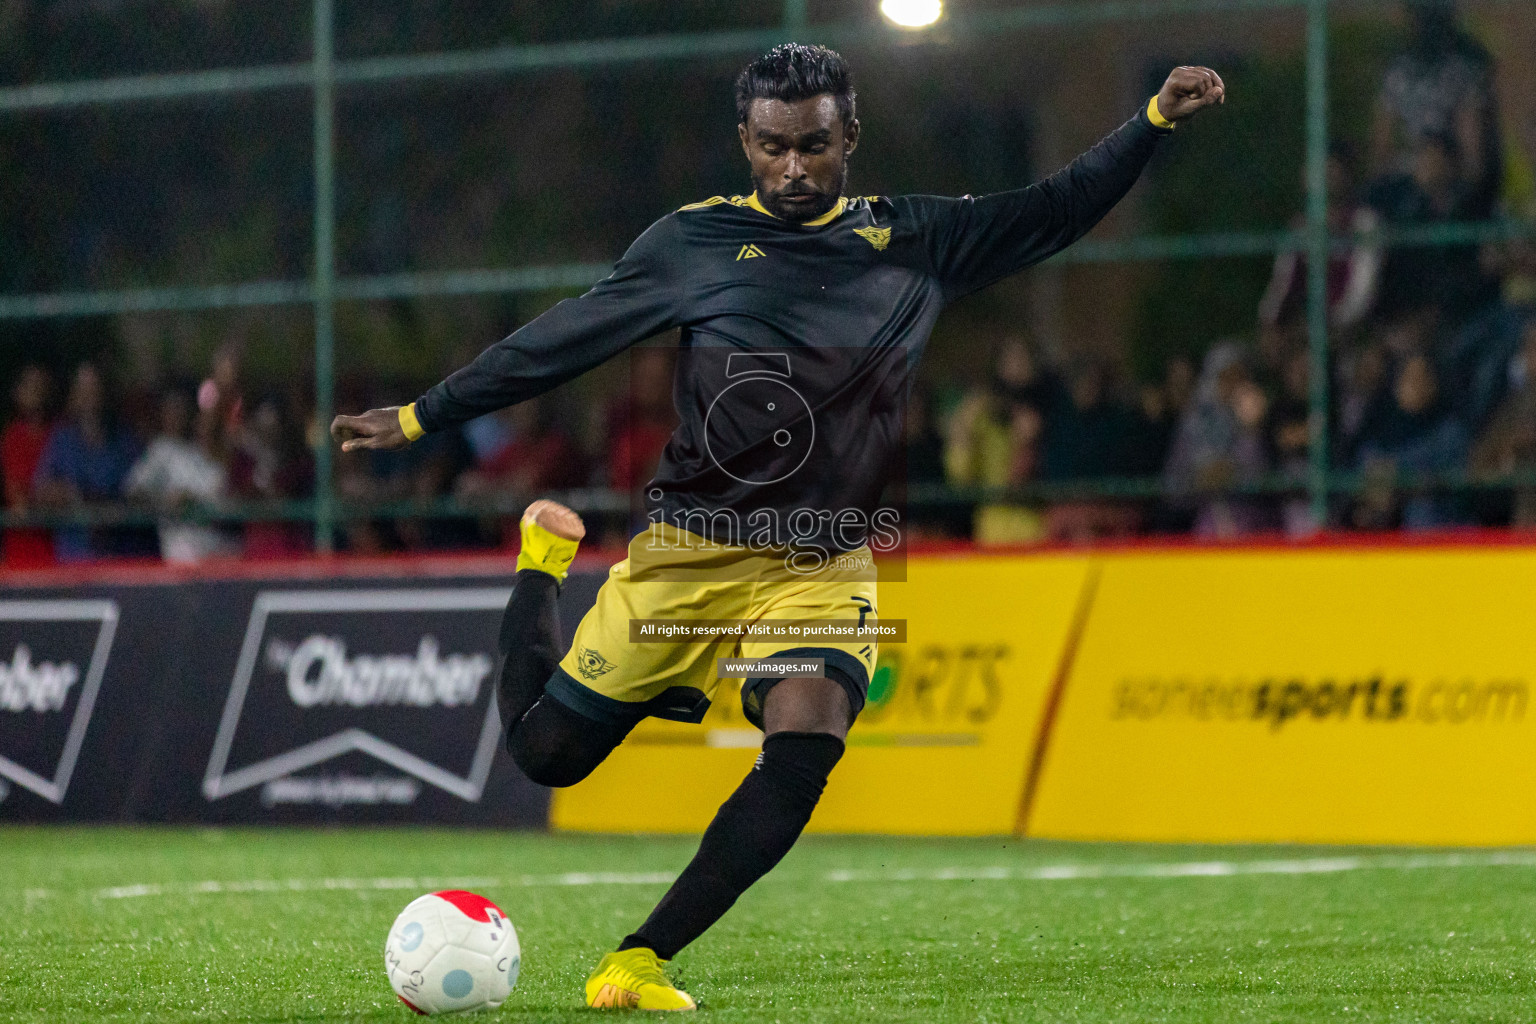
(324, 74)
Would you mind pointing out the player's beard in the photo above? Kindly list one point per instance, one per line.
(797, 213)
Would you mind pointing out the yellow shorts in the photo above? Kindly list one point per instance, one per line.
(613, 674)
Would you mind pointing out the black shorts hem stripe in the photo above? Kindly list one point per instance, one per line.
(842, 668)
(676, 703)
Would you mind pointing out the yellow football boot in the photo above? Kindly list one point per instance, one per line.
(551, 533)
(633, 979)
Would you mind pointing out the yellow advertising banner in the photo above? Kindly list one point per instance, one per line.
(1340, 696)
(943, 746)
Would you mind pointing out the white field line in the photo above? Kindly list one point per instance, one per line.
(260, 885)
(1039, 873)
(1195, 868)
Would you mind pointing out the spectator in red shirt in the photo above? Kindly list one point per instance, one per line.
(21, 449)
(540, 457)
(270, 462)
(640, 426)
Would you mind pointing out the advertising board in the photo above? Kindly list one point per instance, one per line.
(1353, 696)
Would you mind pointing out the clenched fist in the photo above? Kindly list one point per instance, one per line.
(1189, 91)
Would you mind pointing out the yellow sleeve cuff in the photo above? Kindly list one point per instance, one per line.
(409, 423)
(1156, 116)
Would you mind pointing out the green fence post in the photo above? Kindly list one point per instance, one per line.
(325, 272)
(1317, 253)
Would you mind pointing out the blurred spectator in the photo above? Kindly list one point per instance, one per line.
(270, 462)
(220, 393)
(1367, 373)
(540, 457)
(1515, 259)
(1362, 396)
(487, 435)
(640, 423)
(993, 441)
(355, 482)
(924, 450)
(1509, 443)
(1018, 378)
(921, 471)
(1087, 437)
(1290, 440)
(1452, 278)
(1353, 273)
(1415, 434)
(1475, 362)
(995, 446)
(21, 449)
(426, 471)
(1179, 385)
(1220, 443)
(86, 459)
(1441, 89)
(179, 472)
(1160, 407)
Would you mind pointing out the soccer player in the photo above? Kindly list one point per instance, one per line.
(802, 311)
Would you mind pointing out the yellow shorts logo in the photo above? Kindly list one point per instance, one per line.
(591, 664)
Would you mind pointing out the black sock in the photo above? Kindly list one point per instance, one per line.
(530, 644)
(752, 832)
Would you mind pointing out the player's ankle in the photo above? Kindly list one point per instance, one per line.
(550, 534)
(559, 520)
(636, 942)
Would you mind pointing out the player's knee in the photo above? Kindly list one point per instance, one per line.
(547, 767)
(808, 705)
(556, 747)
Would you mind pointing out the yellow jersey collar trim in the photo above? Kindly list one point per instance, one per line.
(826, 218)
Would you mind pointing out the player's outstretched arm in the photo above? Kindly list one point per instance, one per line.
(643, 296)
(977, 241)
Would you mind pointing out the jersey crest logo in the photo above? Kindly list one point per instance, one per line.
(752, 252)
(877, 237)
(591, 664)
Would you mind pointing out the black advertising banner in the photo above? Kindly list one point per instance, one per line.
(57, 651)
(263, 701)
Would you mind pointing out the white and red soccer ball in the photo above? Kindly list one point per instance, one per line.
(452, 951)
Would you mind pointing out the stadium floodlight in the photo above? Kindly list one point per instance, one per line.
(912, 13)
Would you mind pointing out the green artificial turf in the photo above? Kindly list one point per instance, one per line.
(118, 925)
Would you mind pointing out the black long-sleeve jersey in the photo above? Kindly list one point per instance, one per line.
(797, 340)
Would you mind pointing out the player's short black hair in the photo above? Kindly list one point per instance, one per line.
(796, 71)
